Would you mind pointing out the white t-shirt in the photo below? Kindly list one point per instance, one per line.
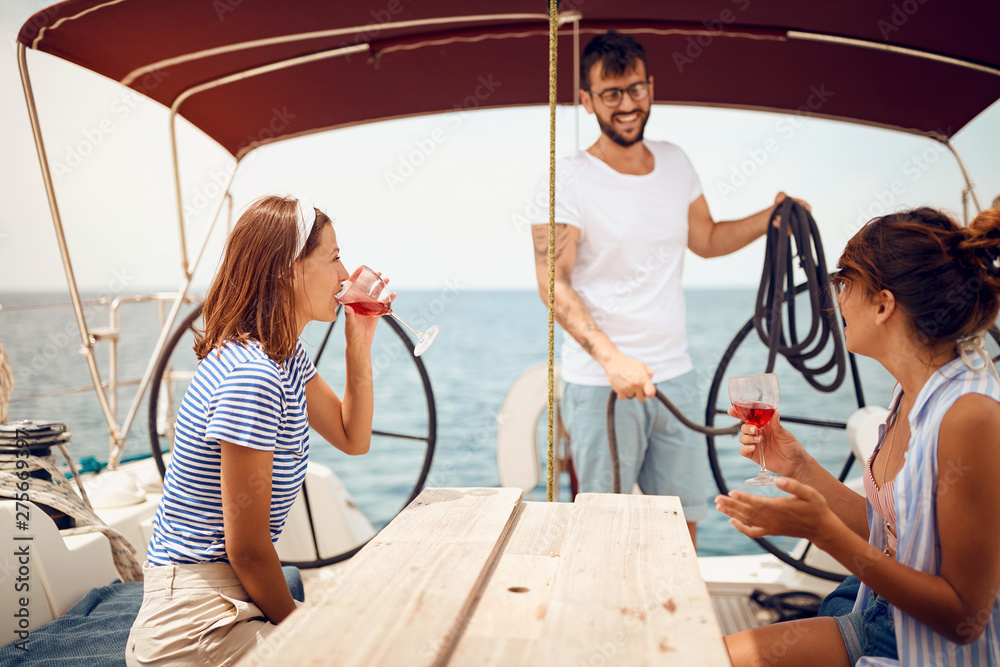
(633, 236)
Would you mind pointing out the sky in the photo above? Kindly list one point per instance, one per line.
(433, 214)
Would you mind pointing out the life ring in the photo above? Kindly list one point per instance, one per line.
(523, 409)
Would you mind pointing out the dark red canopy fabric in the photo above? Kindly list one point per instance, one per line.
(429, 56)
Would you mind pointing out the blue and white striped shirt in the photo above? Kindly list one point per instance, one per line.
(916, 512)
(243, 397)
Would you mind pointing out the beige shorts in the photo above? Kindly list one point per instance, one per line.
(194, 615)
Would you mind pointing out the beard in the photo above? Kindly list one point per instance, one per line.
(609, 130)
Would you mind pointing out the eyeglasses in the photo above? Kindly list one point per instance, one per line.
(839, 282)
(612, 97)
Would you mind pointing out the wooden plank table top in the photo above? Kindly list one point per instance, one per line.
(476, 577)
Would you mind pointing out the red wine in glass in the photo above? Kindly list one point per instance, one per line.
(368, 296)
(752, 412)
(755, 398)
(369, 309)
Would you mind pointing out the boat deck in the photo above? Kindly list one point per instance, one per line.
(739, 612)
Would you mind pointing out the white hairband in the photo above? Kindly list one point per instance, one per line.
(306, 218)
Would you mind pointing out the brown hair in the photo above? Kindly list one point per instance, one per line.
(617, 54)
(251, 297)
(945, 277)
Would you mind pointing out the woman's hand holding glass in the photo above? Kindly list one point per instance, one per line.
(785, 454)
(755, 399)
(359, 329)
(803, 513)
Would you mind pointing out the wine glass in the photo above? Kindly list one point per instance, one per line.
(368, 296)
(755, 398)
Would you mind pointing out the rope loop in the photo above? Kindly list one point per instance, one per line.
(797, 224)
(777, 292)
(58, 494)
(616, 475)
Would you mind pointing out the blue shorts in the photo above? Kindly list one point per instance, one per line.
(655, 449)
(869, 631)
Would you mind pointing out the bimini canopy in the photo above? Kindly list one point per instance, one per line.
(248, 72)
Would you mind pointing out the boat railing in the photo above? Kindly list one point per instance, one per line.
(111, 334)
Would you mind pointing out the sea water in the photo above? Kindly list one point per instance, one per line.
(487, 339)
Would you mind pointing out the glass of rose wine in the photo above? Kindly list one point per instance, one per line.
(755, 398)
(368, 296)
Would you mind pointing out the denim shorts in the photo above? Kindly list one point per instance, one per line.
(655, 450)
(869, 632)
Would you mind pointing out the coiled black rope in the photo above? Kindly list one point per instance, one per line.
(779, 270)
(777, 287)
(789, 605)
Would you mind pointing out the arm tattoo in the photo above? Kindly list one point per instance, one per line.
(582, 325)
(571, 312)
(540, 235)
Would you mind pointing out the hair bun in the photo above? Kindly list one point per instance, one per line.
(983, 239)
(991, 261)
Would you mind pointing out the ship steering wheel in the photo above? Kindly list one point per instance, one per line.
(796, 556)
(175, 368)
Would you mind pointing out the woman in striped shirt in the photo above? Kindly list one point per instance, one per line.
(917, 292)
(213, 582)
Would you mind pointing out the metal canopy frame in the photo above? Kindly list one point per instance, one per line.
(118, 432)
(858, 51)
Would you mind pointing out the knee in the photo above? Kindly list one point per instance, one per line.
(740, 649)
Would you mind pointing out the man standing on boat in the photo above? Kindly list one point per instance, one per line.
(626, 210)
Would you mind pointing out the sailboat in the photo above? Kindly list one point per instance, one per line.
(228, 67)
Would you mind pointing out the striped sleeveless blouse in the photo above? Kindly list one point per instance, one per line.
(916, 512)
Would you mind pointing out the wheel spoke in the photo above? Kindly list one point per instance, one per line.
(801, 420)
(404, 436)
(814, 422)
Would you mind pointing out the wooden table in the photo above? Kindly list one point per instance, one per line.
(478, 577)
